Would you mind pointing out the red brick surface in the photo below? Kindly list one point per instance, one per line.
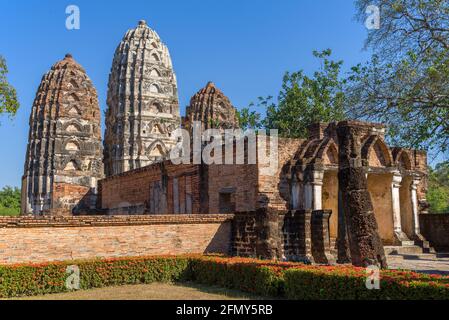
(34, 240)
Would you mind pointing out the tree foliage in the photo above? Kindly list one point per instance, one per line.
(9, 201)
(406, 83)
(249, 119)
(304, 100)
(8, 97)
(438, 191)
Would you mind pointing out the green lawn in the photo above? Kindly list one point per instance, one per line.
(153, 291)
(9, 212)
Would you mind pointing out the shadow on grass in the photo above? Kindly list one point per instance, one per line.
(222, 291)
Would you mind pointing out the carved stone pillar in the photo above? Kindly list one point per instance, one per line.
(364, 241)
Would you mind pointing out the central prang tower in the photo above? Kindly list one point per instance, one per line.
(142, 101)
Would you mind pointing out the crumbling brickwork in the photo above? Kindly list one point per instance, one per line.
(283, 235)
(63, 160)
(212, 108)
(364, 241)
(163, 188)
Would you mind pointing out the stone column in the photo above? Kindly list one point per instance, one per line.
(295, 194)
(267, 231)
(395, 185)
(364, 241)
(415, 210)
(396, 207)
(343, 253)
(313, 191)
(321, 247)
(304, 218)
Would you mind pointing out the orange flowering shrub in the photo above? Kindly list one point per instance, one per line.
(261, 277)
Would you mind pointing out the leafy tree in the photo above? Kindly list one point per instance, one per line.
(406, 84)
(438, 190)
(9, 201)
(304, 100)
(249, 119)
(8, 97)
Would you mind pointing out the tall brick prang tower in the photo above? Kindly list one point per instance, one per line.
(142, 101)
(63, 159)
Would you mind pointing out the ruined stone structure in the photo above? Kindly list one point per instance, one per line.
(306, 180)
(63, 160)
(396, 179)
(341, 194)
(212, 108)
(142, 102)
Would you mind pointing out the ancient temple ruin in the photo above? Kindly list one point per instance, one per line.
(396, 179)
(63, 161)
(342, 193)
(142, 102)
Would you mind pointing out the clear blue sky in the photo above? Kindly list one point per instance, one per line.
(243, 46)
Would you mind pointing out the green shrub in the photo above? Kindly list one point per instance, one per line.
(349, 283)
(9, 211)
(264, 278)
(249, 277)
(23, 280)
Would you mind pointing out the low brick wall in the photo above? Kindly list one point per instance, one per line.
(29, 239)
(435, 228)
(301, 235)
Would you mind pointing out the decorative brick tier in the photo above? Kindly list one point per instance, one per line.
(97, 221)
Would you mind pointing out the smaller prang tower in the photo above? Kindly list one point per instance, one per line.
(212, 108)
(64, 154)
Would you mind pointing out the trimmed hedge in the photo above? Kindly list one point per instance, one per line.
(349, 283)
(37, 279)
(264, 278)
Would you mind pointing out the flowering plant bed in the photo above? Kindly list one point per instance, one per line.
(265, 278)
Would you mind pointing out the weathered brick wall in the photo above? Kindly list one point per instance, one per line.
(301, 235)
(435, 228)
(274, 190)
(35, 240)
(131, 192)
(295, 228)
(244, 234)
(215, 188)
(240, 181)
